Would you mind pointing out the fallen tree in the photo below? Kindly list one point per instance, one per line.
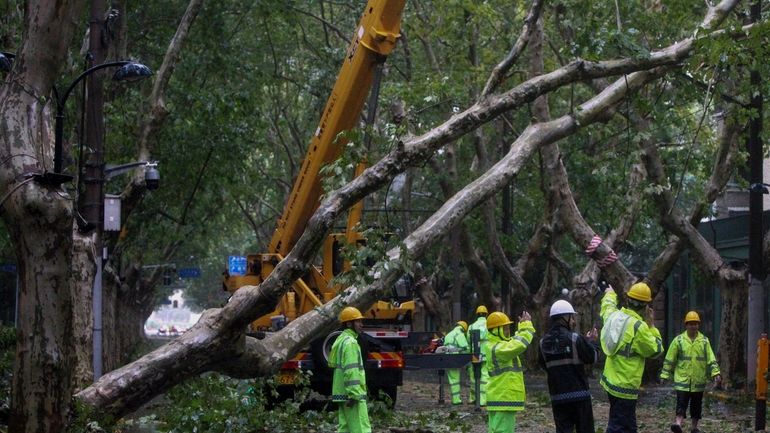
(218, 342)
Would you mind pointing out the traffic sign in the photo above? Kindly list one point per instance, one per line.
(189, 272)
(236, 265)
(8, 267)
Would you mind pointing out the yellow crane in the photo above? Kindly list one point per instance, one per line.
(387, 321)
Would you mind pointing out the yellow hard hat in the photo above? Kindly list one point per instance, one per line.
(464, 324)
(481, 310)
(349, 314)
(497, 319)
(640, 292)
(691, 316)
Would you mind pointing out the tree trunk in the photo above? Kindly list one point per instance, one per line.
(43, 371)
(129, 309)
(732, 336)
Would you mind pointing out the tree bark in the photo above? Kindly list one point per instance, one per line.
(732, 336)
(39, 219)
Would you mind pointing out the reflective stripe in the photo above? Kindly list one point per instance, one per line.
(626, 351)
(343, 397)
(574, 360)
(349, 366)
(700, 358)
(522, 340)
(688, 386)
(686, 358)
(571, 395)
(558, 362)
(499, 371)
(618, 388)
(352, 382)
(505, 403)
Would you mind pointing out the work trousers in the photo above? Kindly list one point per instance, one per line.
(502, 421)
(354, 419)
(453, 377)
(622, 415)
(694, 400)
(577, 416)
(483, 387)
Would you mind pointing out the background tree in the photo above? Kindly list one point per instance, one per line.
(232, 122)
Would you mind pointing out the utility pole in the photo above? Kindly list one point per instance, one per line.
(756, 301)
(93, 203)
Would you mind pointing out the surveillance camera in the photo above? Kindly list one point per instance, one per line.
(152, 176)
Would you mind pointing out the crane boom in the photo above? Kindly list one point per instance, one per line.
(374, 39)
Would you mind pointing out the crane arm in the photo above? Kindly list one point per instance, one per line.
(374, 39)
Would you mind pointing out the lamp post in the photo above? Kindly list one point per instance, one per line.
(129, 71)
(759, 188)
(6, 61)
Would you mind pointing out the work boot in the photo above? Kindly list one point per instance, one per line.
(676, 428)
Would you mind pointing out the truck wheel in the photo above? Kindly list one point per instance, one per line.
(320, 349)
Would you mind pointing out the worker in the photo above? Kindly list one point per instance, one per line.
(479, 325)
(693, 362)
(563, 355)
(505, 393)
(628, 337)
(457, 341)
(349, 381)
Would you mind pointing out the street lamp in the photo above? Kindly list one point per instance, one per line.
(6, 61)
(129, 71)
(759, 188)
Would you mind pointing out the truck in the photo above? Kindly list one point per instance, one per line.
(388, 322)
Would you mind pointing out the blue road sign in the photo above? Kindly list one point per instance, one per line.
(236, 265)
(189, 272)
(8, 267)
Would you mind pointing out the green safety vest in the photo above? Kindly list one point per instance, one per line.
(456, 338)
(349, 381)
(693, 363)
(505, 389)
(626, 340)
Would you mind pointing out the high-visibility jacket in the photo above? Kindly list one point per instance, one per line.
(692, 361)
(456, 338)
(626, 340)
(349, 380)
(505, 390)
(481, 325)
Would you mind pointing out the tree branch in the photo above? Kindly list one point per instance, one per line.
(498, 73)
(218, 336)
(157, 105)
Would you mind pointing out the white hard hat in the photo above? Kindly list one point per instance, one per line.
(561, 307)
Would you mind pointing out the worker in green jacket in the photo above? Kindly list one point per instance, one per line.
(505, 392)
(458, 343)
(349, 381)
(693, 362)
(479, 325)
(628, 337)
